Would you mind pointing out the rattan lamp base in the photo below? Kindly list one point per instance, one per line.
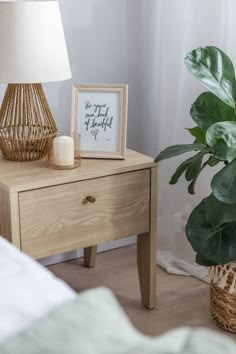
(26, 123)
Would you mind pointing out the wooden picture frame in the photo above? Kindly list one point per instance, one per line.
(99, 115)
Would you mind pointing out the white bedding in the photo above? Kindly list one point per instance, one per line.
(27, 290)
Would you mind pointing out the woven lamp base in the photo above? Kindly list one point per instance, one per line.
(26, 123)
(223, 295)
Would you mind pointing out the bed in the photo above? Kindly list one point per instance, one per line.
(41, 314)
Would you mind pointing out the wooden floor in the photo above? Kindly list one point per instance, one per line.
(181, 301)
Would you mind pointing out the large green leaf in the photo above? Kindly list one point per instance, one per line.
(176, 150)
(213, 161)
(218, 213)
(222, 131)
(180, 170)
(195, 166)
(223, 184)
(190, 166)
(215, 70)
(213, 244)
(191, 187)
(199, 134)
(201, 261)
(223, 152)
(209, 109)
(222, 137)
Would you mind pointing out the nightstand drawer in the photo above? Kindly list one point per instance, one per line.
(70, 216)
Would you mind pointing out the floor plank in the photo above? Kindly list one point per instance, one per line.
(181, 301)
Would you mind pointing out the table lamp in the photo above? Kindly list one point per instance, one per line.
(32, 51)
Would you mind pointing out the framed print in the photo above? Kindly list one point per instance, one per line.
(99, 115)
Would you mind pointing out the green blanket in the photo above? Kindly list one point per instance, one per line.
(94, 323)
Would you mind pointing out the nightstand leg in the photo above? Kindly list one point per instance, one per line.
(90, 256)
(146, 250)
(146, 260)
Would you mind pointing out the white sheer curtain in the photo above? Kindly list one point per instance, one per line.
(161, 32)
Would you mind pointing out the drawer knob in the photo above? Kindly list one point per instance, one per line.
(91, 199)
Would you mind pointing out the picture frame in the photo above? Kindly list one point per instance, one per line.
(99, 115)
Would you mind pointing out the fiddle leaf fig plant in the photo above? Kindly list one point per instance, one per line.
(211, 227)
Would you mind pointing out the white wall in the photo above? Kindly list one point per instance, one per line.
(95, 31)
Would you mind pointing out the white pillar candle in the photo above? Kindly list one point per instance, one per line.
(63, 151)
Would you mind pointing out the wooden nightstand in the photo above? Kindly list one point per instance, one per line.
(45, 212)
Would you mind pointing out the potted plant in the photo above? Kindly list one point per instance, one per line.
(211, 227)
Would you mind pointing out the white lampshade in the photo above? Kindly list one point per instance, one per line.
(32, 42)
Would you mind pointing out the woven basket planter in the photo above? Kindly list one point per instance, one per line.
(223, 295)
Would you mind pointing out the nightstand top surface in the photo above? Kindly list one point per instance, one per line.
(23, 176)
